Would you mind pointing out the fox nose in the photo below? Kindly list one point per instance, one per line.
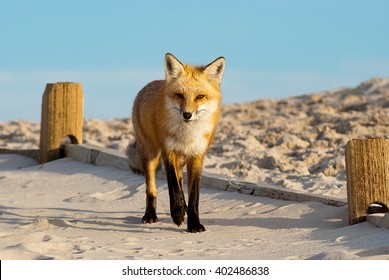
(187, 115)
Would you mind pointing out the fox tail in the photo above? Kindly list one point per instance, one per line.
(133, 156)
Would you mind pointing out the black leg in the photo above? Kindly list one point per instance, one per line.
(150, 214)
(181, 183)
(193, 206)
(176, 194)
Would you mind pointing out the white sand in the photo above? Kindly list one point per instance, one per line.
(69, 210)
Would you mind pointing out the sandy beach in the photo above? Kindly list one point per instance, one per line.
(71, 210)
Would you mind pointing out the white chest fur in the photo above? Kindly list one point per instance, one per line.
(190, 138)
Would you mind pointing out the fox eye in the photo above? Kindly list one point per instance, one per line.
(200, 96)
(180, 95)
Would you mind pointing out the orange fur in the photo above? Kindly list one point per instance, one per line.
(175, 119)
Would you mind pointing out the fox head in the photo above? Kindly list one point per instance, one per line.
(193, 92)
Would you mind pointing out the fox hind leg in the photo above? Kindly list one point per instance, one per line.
(150, 167)
(150, 215)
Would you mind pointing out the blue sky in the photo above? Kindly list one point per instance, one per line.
(273, 49)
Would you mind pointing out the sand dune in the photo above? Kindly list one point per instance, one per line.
(296, 143)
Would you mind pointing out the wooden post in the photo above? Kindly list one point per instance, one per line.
(62, 116)
(367, 168)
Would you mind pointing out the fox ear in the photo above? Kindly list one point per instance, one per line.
(215, 69)
(173, 67)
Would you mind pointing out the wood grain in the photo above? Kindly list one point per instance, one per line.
(367, 169)
(62, 116)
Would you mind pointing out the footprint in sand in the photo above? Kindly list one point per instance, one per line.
(47, 238)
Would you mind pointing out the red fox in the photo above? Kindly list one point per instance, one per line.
(175, 120)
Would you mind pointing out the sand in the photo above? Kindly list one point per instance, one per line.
(71, 210)
(296, 143)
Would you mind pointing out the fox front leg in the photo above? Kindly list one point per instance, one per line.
(194, 169)
(176, 194)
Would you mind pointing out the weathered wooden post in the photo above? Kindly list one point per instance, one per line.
(62, 116)
(367, 168)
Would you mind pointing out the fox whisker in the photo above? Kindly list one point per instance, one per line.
(175, 108)
(204, 110)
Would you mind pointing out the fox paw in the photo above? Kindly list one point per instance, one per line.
(178, 215)
(195, 228)
(150, 217)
